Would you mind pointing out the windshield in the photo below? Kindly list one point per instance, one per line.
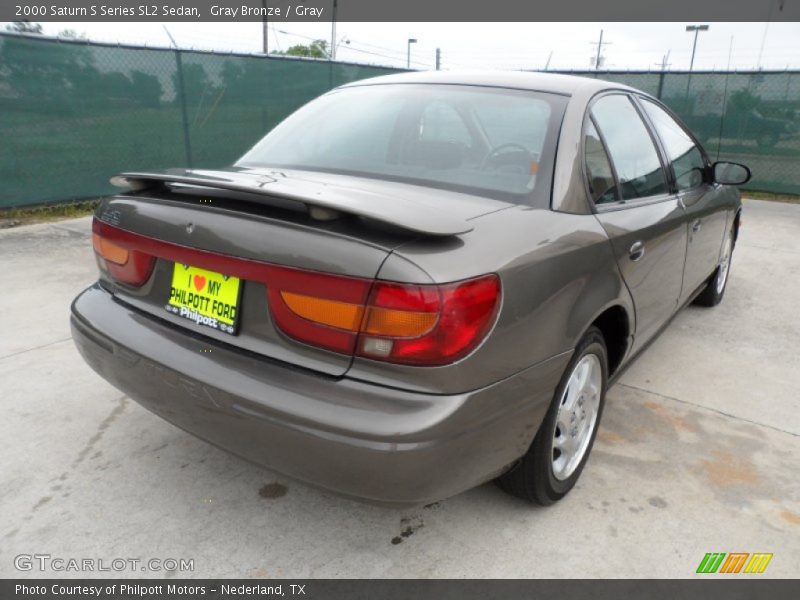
(495, 142)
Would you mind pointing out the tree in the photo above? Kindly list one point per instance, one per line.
(743, 101)
(196, 84)
(58, 77)
(24, 27)
(71, 34)
(316, 49)
(146, 88)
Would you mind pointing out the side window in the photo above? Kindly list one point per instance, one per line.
(598, 168)
(630, 146)
(685, 157)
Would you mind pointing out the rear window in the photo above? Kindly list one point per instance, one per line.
(493, 142)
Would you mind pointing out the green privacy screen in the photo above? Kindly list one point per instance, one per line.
(72, 114)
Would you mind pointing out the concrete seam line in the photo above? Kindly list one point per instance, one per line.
(714, 410)
(745, 245)
(70, 230)
(35, 348)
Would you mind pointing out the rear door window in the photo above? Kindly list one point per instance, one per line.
(685, 157)
(630, 147)
(598, 168)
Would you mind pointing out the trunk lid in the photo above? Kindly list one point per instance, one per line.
(229, 215)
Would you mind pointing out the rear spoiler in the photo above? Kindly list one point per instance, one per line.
(324, 202)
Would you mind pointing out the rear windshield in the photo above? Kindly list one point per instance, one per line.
(494, 142)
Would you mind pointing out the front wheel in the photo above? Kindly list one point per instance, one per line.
(561, 448)
(712, 294)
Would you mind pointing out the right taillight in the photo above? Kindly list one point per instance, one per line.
(395, 322)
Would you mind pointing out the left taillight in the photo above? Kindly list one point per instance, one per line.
(119, 262)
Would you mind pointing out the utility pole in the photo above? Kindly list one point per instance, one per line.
(332, 53)
(408, 52)
(696, 29)
(664, 64)
(599, 59)
(730, 52)
(438, 59)
(265, 28)
(665, 61)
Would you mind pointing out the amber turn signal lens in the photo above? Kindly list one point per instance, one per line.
(398, 323)
(109, 250)
(342, 315)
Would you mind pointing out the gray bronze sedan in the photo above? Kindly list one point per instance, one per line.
(415, 283)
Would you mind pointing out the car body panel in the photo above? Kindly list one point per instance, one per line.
(708, 211)
(655, 279)
(361, 440)
(545, 309)
(257, 237)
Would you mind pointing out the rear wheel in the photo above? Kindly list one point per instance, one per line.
(712, 294)
(561, 448)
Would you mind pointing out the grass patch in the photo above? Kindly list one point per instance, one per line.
(788, 198)
(12, 217)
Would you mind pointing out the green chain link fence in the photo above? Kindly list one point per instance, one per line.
(74, 113)
(748, 117)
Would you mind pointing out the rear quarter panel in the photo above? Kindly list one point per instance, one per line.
(557, 271)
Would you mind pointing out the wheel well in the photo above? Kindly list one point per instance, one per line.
(613, 324)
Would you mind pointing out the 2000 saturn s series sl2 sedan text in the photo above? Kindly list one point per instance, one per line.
(415, 283)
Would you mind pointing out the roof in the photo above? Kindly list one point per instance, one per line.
(542, 82)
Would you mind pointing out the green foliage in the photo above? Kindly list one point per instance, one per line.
(196, 84)
(65, 81)
(743, 100)
(316, 49)
(71, 34)
(11, 217)
(24, 27)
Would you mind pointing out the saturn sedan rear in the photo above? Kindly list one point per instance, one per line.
(413, 284)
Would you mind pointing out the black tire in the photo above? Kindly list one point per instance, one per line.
(532, 478)
(715, 289)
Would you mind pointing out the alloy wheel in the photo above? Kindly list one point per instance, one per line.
(577, 416)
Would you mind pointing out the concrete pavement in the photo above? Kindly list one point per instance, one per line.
(699, 451)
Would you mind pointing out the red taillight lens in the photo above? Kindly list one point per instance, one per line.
(317, 308)
(118, 261)
(401, 323)
(465, 311)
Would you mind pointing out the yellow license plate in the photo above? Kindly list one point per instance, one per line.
(208, 298)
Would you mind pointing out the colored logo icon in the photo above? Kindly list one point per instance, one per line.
(734, 562)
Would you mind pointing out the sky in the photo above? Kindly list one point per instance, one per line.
(634, 46)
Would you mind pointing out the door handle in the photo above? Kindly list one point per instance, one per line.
(636, 251)
(697, 225)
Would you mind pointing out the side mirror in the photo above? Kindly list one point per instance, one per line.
(730, 173)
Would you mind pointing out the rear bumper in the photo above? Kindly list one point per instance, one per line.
(354, 438)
